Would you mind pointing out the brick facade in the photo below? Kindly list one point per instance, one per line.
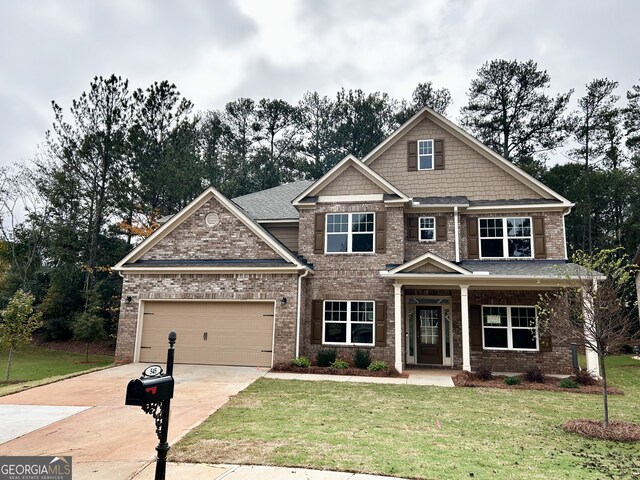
(195, 240)
(210, 287)
(444, 249)
(553, 228)
(350, 276)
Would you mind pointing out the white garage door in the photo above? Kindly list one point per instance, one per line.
(212, 333)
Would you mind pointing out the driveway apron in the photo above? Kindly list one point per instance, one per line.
(106, 438)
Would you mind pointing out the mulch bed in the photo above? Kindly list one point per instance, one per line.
(617, 431)
(360, 372)
(467, 379)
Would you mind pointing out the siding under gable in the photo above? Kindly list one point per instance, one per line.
(351, 182)
(466, 172)
(193, 239)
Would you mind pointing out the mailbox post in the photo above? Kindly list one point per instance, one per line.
(153, 392)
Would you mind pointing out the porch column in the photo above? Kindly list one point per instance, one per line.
(593, 365)
(397, 305)
(466, 344)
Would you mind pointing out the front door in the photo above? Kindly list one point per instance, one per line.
(429, 323)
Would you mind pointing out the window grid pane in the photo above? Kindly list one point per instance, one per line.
(505, 238)
(349, 322)
(427, 228)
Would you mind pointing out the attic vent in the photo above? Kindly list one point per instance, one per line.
(212, 219)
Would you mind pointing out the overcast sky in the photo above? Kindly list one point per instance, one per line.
(218, 50)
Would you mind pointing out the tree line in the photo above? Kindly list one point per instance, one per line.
(118, 159)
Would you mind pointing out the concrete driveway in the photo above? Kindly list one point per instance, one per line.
(85, 416)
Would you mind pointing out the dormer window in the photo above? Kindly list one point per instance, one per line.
(425, 155)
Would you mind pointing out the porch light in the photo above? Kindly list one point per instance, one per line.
(283, 301)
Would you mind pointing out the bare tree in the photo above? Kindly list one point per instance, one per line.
(590, 308)
(23, 213)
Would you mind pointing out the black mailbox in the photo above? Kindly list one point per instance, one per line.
(143, 391)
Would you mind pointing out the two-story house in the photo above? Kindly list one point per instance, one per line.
(432, 250)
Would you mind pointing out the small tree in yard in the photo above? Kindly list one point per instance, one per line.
(19, 321)
(88, 328)
(590, 308)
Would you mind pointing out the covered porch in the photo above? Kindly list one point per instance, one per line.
(462, 316)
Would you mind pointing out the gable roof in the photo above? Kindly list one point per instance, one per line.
(186, 212)
(273, 203)
(344, 164)
(431, 259)
(472, 142)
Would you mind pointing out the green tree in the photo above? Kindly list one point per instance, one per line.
(163, 148)
(89, 158)
(315, 122)
(19, 321)
(424, 95)
(509, 111)
(88, 328)
(594, 126)
(362, 121)
(632, 119)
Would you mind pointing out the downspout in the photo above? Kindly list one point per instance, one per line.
(456, 228)
(564, 233)
(300, 277)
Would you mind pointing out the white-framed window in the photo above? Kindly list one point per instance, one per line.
(425, 155)
(507, 327)
(348, 322)
(350, 233)
(506, 237)
(427, 229)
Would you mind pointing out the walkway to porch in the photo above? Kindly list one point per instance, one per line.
(431, 377)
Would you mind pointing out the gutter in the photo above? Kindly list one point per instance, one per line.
(300, 277)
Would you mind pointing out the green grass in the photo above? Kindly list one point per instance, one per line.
(391, 430)
(33, 365)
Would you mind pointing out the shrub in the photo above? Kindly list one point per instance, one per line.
(568, 383)
(626, 349)
(533, 374)
(584, 377)
(302, 362)
(483, 372)
(340, 364)
(362, 358)
(326, 357)
(377, 366)
(515, 380)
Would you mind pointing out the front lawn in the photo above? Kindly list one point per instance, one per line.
(391, 430)
(32, 363)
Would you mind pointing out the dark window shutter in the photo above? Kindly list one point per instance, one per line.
(318, 245)
(381, 324)
(441, 229)
(475, 327)
(438, 147)
(316, 322)
(539, 244)
(412, 228)
(412, 156)
(472, 238)
(381, 232)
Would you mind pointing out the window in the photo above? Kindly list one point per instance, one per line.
(511, 328)
(350, 233)
(425, 154)
(427, 229)
(348, 322)
(505, 237)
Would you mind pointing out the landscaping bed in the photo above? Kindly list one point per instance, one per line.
(616, 431)
(351, 371)
(550, 384)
